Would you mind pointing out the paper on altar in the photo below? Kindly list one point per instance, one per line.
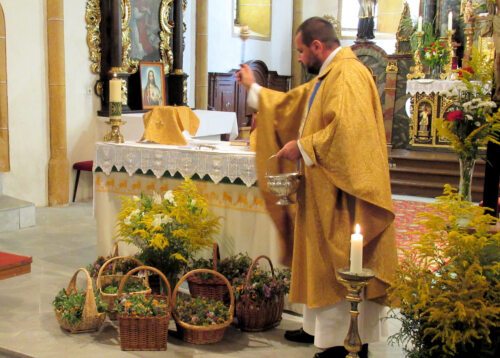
(215, 123)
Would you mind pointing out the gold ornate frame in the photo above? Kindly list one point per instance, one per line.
(417, 137)
(129, 65)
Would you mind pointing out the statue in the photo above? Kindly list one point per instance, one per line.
(366, 23)
(405, 30)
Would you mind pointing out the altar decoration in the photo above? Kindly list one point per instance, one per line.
(168, 229)
(446, 287)
(79, 311)
(472, 119)
(165, 124)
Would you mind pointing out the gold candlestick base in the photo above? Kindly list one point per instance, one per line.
(114, 134)
(417, 71)
(448, 66)
(354, 282)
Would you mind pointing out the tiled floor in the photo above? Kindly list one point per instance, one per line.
(65, 239)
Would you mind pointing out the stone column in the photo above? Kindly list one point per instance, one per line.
(4, 114)
(296, 66)
(58, 175)
(201, 78)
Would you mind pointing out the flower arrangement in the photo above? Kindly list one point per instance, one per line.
(201, 311)
(70, 306)
(122, 267)
(473, 119)
(168, 229)
(446, 287)
(262, 285)
(130, 286)
(436, 54)
(142, 306)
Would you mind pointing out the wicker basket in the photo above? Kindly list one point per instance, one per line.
(214, 287)
(267, 315)
(144, 333)
(202, 334)
(104, 280)
(91, 319)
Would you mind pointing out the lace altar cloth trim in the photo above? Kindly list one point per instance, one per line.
(429, 85)
(215, 160)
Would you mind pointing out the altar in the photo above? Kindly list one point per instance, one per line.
(224, 174)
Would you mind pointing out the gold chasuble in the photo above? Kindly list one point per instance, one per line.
(348, 183)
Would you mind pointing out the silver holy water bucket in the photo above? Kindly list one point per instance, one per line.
(283, 185)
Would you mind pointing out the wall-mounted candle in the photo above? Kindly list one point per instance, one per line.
(356, 251)
(450, 21)
(115, 90)
(419, 24)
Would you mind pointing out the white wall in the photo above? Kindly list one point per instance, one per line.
(28, 98)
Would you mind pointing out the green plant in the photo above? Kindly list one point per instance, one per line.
(262, 286)
(71, 306)
(141, 305)
(168, 230)
(201, 311)
(122, 266)
(447, 286)
(231, 267)
(130, 286)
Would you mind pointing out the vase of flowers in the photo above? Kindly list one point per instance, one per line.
(473, 119)
(435, 56)
(168, 229)
(446, 287)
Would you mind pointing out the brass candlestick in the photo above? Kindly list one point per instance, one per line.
(417, 71)
(469, 37)
(115, 110)
(354, 282)
(447, 68)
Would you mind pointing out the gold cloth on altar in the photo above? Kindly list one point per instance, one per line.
(164, 125)
(347, 184)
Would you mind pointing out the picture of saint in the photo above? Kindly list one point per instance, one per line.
(152, 84)
(145, 29)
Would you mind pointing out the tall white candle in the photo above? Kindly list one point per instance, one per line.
(356, 251)
(419, 26)
(115, 90)
(450, 21)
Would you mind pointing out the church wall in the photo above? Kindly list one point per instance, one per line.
(28, 98)
(320, 8)
(224, 48)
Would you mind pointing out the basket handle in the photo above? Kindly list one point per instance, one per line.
(145, 268)
(216, 256)
(104, 265)
(89, 307)
(276, 156)
(215, 273)
(115, 251)
(254, 264)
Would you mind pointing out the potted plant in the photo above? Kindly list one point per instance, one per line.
(79, 311)
(168, 229)
(143, 318)
(446, 287)
(202, 320)
(260, 296)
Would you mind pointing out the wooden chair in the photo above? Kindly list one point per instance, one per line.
(79, 166)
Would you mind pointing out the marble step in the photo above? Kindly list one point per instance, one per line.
(16, 214)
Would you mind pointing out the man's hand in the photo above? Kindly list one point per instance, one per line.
(290, 151)
(245, 76)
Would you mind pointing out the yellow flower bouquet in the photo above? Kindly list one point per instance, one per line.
(168, 229)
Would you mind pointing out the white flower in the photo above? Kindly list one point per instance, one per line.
(156, 198)
(193, 202)
(469, 117)
(136, 198)
(477, 123)
(135, 212)
(166, 219)
(127, 221)
(169, 196)
(157, 221)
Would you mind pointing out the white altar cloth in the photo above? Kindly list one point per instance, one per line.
(425, 85)
(246, 225)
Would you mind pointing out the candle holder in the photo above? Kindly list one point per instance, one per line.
(469, 37)
(115, 113)
(448, 66)
(417, 71)
(244, 35)
(354, 282)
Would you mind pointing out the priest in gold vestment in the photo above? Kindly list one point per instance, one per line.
(333, 125)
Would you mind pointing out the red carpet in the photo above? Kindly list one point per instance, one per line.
(406, 217)
(13, 265)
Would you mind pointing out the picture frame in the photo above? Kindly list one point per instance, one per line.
(152, 79)
(255, 16)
